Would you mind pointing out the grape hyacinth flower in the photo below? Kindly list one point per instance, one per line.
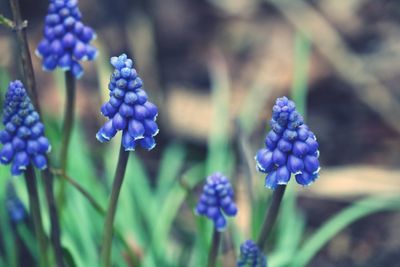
(128, 109)
(23, 136)
(291, 148)
(66, 39)
(216, 199)
(251, 255)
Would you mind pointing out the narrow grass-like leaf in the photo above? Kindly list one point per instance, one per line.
(302, 50)
(218, 142)
(28, 238)
(7, 237)
(338, 222)
(170, 207)
(6, 22)
(171, 163)
(289, 220)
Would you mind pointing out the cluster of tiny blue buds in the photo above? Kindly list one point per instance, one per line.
(15, 207)
(128, 109)
(290, 148)
(251, 255)
(23, 136)
(66, 39)
(217, 197)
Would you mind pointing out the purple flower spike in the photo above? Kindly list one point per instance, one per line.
(251, 255)
(291, 148)
(23, 135)
(66, 40)
(217, 200)
(128, 109)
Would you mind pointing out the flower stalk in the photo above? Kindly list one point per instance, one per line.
(68, 124)
(34, 206)
(271, 216)
(112, 207)
(214, 249)
(29, 77)
(26, 60)
(55, 232)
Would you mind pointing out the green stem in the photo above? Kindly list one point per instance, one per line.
(34, 206)
(22, 42)
(213, 253)
(112, 207)
(30, 82)
(55, 233)
(271, 216)
(81, 190)
(68, 124)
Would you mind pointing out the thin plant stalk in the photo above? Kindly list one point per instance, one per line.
(112, 207)
(23, 45)
(68, 124)
(214, 249)
(55, 232)
(271, 216)
(34, 206)
(29, 75)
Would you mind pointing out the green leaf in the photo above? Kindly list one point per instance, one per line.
(218, 140)
(6, 22)
(340, 221)
(4, 79)
(28, 238)
(302, 49)
(169, 209)
(170, 166)
(291, 223)
(69, 258)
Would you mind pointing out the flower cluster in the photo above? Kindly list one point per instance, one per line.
(66, 39)
(128, 109)
(290, 148)
(251, 255)
(15, 207)
(23, 136)
(217, 196)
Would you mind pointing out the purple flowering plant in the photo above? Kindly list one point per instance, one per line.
(155, 205)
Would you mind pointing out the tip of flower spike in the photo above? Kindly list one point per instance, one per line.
(251, 255)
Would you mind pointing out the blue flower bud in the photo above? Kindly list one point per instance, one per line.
(291, 148)
(217, 200)
(23, 135)
(128, 109)
(66, 41)
(251, 255)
